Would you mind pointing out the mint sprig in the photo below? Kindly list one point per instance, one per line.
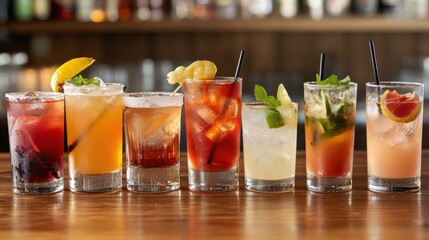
(333, 80)
(336, 122)
(262, 96)
(81, 81)
(274, 118)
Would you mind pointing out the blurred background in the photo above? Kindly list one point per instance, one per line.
(137, 42)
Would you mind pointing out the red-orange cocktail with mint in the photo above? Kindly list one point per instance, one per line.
(213, 118)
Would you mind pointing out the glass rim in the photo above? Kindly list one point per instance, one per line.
(395, 84)
(215, 79)
(151, 94)
(44, 96)
(152, 100)
(313, 85)
(262, 105)
(108, 86)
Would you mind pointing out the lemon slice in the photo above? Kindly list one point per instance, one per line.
(201, 69)
(68, 70)
(402, 108)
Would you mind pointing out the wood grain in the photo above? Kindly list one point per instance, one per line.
(241, 214)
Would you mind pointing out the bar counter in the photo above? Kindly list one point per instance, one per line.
(241, 214)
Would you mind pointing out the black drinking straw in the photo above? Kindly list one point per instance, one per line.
(322, 66)
(237, 72)
(374, 62)
(240, 60)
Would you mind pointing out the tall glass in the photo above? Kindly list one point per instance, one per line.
(152, 141)
(269, 154)
(36, 138)
(94, 136)
(394, 147)
(213, 122)
(329, 136)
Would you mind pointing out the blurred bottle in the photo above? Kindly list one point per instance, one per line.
(315, 8)
(366, 7)
(64, 9)
(413, 9)
(83, 10)
(391, 7)
(205, 9)
(142, 10)
(244, 9)
(288, 8)
(336, 8)
(41, 9)
(260, 8)
(112, 13)
(23, 10)
(124, 10)
(227, 9)
(182, 9)
(4, 11)
(118, 10)
(98, 12)
(157, 8)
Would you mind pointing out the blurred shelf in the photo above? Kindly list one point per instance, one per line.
(351, 24)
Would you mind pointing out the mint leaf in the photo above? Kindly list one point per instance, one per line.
(262, 96)
(339, 120)
(274, 118)
(81, 81)
(332, 80)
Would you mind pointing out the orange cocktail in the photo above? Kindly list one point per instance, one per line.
(394, 117)
(329, 135)
(94, 136)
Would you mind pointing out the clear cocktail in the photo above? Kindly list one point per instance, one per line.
(94, 136)
(269, 153)
(394, 118)
(36, 136)
(152, 141)
(329, 135)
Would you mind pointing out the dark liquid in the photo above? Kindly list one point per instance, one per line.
(36, 140)
(157, 156)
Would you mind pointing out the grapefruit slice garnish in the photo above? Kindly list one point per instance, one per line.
(401, 108)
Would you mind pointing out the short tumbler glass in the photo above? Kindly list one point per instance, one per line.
(394, 136)
(94, 136)
(36, 140)
(269, 153)
(152, 141)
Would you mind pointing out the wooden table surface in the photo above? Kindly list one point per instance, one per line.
(241, 214)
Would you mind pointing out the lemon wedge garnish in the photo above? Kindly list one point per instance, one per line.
(68, 70)
(283, 96)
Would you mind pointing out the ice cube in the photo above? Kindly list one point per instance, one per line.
(207, 114)
(102, 84)
(409, 128)
(372, 109)
(36, 109)
(196, 126)
(215, 132)
(219, 129)
(227, 107)
(390, 132)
